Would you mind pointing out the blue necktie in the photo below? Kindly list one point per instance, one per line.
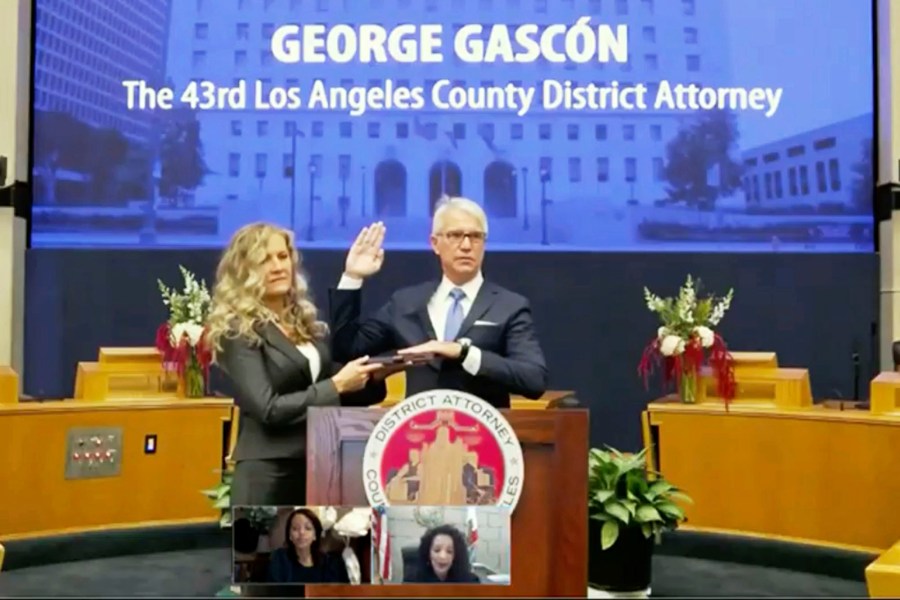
(454, 315)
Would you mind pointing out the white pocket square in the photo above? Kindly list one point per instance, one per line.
(485, 323)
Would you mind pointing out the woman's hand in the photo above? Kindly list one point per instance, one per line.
(354, 375)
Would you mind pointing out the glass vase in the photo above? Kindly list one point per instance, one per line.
(687, 386)
(194, 382)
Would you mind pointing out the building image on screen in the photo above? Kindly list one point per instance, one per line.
(441, 544)
(792, 172)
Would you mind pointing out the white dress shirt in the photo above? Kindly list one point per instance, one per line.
(312, 355)
(438, 307)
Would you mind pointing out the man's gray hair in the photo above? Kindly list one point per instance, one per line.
(447, 204)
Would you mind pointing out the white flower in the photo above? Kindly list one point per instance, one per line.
(719, 309)
(355, 523)
(706, 335)
(193, 331)
(327, 515)
(177, 333)
(671, 345)
(662, 332)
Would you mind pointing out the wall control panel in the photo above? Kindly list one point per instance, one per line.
(93, 452)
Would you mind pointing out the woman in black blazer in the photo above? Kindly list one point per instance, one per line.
(269, 342)
(443, 558)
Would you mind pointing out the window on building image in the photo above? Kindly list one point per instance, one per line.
(201, 31)
(821, 183)
(237, 128)
(690, 35)
(318, 129)
(602, 169)
(628, 133)
(688, 7)
(804, 180)
(262, 164)
(600, 132)
(649, 34)
(262, 128)
(768, 186)
(574, 169)
(779, 189)
(345, 129)
(692, 62)
(792, 181)
(834, 174)
(631, 170)
(621, 7)
(234, 164)
(545, 131)
(402, 131)
(572, 132)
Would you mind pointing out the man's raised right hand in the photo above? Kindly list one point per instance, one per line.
(366, 255)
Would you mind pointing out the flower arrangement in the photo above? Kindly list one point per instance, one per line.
(687, 338)
(181, 339)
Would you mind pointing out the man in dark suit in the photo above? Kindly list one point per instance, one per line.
(478, 337)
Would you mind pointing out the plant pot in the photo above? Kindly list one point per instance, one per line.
(626, 566)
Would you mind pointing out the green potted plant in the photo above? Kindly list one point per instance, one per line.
(629, 507)
(221, 498)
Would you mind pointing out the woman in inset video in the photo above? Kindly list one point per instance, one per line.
(301, 559)
(268, 340)
(443, 558)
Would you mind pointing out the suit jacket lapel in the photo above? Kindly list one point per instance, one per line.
(274, 337)
(482, 303)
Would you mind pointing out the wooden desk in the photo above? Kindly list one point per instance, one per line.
(883, 575)
(164, 487)
(816, 474)
(9, 386)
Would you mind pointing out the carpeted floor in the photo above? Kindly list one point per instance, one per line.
(205, 572)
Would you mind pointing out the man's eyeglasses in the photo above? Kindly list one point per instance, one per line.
(456, 237)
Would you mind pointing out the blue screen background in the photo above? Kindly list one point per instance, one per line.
(655, 180)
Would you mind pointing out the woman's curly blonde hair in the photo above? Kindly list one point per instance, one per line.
(237, 298)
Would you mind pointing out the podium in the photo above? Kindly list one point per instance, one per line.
(549, 526)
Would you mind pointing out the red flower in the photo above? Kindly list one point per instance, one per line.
(690, 361)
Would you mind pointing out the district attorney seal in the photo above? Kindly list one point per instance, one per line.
(443, 448)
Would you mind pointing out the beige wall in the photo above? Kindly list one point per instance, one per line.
(15, 67)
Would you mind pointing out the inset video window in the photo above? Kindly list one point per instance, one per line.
(299, 545)
(441, 544)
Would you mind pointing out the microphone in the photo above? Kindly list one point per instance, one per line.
(856, 372)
